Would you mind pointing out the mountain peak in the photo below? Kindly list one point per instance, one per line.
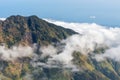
(15, 17)
(31, 29)
(20, 17)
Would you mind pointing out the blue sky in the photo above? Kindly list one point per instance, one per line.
(106, 12)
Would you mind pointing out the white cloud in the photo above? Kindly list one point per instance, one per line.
(112, 53)
(48, 51)
(2, 19)
(15, 52)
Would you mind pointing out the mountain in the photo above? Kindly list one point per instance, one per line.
(26, 31)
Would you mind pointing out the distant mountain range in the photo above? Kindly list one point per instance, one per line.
(26, 31)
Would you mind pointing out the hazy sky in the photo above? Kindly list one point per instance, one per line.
(105, 12)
